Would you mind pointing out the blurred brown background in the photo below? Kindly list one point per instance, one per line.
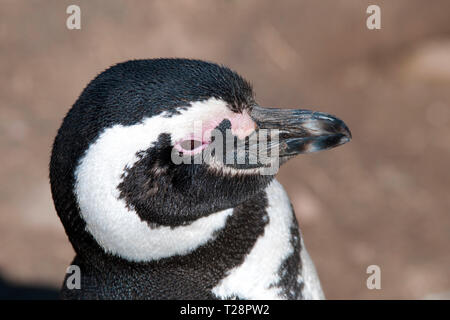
(382, 199)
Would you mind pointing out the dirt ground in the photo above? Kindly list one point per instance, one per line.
(382, 199)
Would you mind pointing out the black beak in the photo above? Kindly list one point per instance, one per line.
(302, 131)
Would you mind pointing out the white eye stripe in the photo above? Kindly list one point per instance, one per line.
(118, 229)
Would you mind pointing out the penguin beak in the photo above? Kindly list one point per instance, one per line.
(302, 131)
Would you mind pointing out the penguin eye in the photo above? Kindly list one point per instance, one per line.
(190, 144)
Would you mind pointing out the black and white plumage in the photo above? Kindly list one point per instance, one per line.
(144, 227)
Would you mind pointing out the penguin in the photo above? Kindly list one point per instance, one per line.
(153, 213)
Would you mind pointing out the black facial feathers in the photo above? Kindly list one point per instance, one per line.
(125, 94)
(168, 194)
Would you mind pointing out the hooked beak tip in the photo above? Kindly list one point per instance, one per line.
(332, 124)
(346, 132)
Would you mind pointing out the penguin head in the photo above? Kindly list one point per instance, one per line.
(157, 146)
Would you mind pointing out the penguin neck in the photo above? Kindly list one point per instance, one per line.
(262, 229)
(207, 264)
(228, 232)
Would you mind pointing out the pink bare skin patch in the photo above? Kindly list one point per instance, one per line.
(242, 125)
